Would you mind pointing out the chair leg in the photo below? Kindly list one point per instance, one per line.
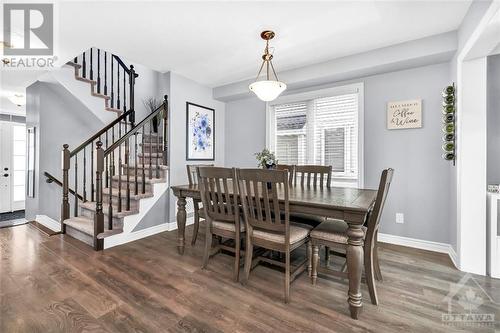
(248, 257)
(309, 258)
(369, 273)
(315, 262)
(196, 225)
(236, 273)
(287, 276)
(327, 256)
(208, 246)
(376, 264)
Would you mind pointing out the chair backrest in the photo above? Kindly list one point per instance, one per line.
(383, 189)
(191, 171)
(318, 176)
(290, 168)
(218, 189)
(258, 191)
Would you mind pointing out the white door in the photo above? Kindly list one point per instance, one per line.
(12, 166)
(6, 168)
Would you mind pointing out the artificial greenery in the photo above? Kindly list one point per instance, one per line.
(266, 158)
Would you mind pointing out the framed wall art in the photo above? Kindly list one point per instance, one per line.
(200, 133)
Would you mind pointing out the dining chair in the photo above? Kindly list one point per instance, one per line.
(218, 187)
(311, 176)
(266, 227)
(318, 176)
(193, 180)
(290, 168)
(333, 234)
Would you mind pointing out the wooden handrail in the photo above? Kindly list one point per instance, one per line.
(52, 179)
(122, 64)
(101, 132)
(134, 130)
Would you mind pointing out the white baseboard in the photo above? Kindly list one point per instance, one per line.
(132, 236)
(48, 222)
(422, 245)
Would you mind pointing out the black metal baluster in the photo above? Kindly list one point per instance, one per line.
(158, 120)
(76, 186)
(127, 145)
(106, 74)
(143, 164)
(118, 89)
(124, 93)
(119, 178)
(110, 203)
(112, 87)
(84, 66)
(113, 152)
(150, 153)
(91, 65)
(136, 187)
(92, 170)
(107, 171)
(98, 71)
(84, 174)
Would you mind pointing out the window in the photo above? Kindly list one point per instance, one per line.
(320, 128)
(18, 162)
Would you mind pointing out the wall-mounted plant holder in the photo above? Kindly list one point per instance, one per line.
(449, 128)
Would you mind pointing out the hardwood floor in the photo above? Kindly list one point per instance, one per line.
(57, 284)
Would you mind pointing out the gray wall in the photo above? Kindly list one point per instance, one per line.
(59, 118)
(184, 90)
(245, 131)
(421, 182)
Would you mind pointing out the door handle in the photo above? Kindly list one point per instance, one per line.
(6, 169)
(6, 175)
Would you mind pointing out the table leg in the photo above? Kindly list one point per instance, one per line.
(354, 268)
(181, 224)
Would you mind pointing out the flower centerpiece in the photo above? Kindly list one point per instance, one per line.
(266, 159)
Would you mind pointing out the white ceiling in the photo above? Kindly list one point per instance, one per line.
(216, 43)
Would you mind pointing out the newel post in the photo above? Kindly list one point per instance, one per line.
(65, 157)
(131, 78)
(165, 128)
(99, 216)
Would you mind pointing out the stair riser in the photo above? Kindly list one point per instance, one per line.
(149, 187)
(117, 222)
(81, 236)
(134, 204)
(152, 138)
(153, 148)
(162, 172)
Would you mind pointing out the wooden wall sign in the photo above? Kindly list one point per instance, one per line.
(404, 114)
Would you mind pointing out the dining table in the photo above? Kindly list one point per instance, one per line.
(344, 203)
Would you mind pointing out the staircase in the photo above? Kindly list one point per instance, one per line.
(107, 176)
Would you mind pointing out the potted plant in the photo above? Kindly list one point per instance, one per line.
(152, 103)
(266, 159)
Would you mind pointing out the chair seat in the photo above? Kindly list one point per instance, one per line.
(297, 233)
(311, 220)
(228, 226)
(333, 231)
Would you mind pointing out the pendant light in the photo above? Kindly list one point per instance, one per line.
(268, 89)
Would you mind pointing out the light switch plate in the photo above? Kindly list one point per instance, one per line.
(400, 218)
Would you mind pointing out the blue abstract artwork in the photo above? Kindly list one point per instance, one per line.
(200, 132)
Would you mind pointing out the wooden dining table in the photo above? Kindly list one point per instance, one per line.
(349, 204)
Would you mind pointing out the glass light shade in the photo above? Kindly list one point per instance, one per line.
(267, 90)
